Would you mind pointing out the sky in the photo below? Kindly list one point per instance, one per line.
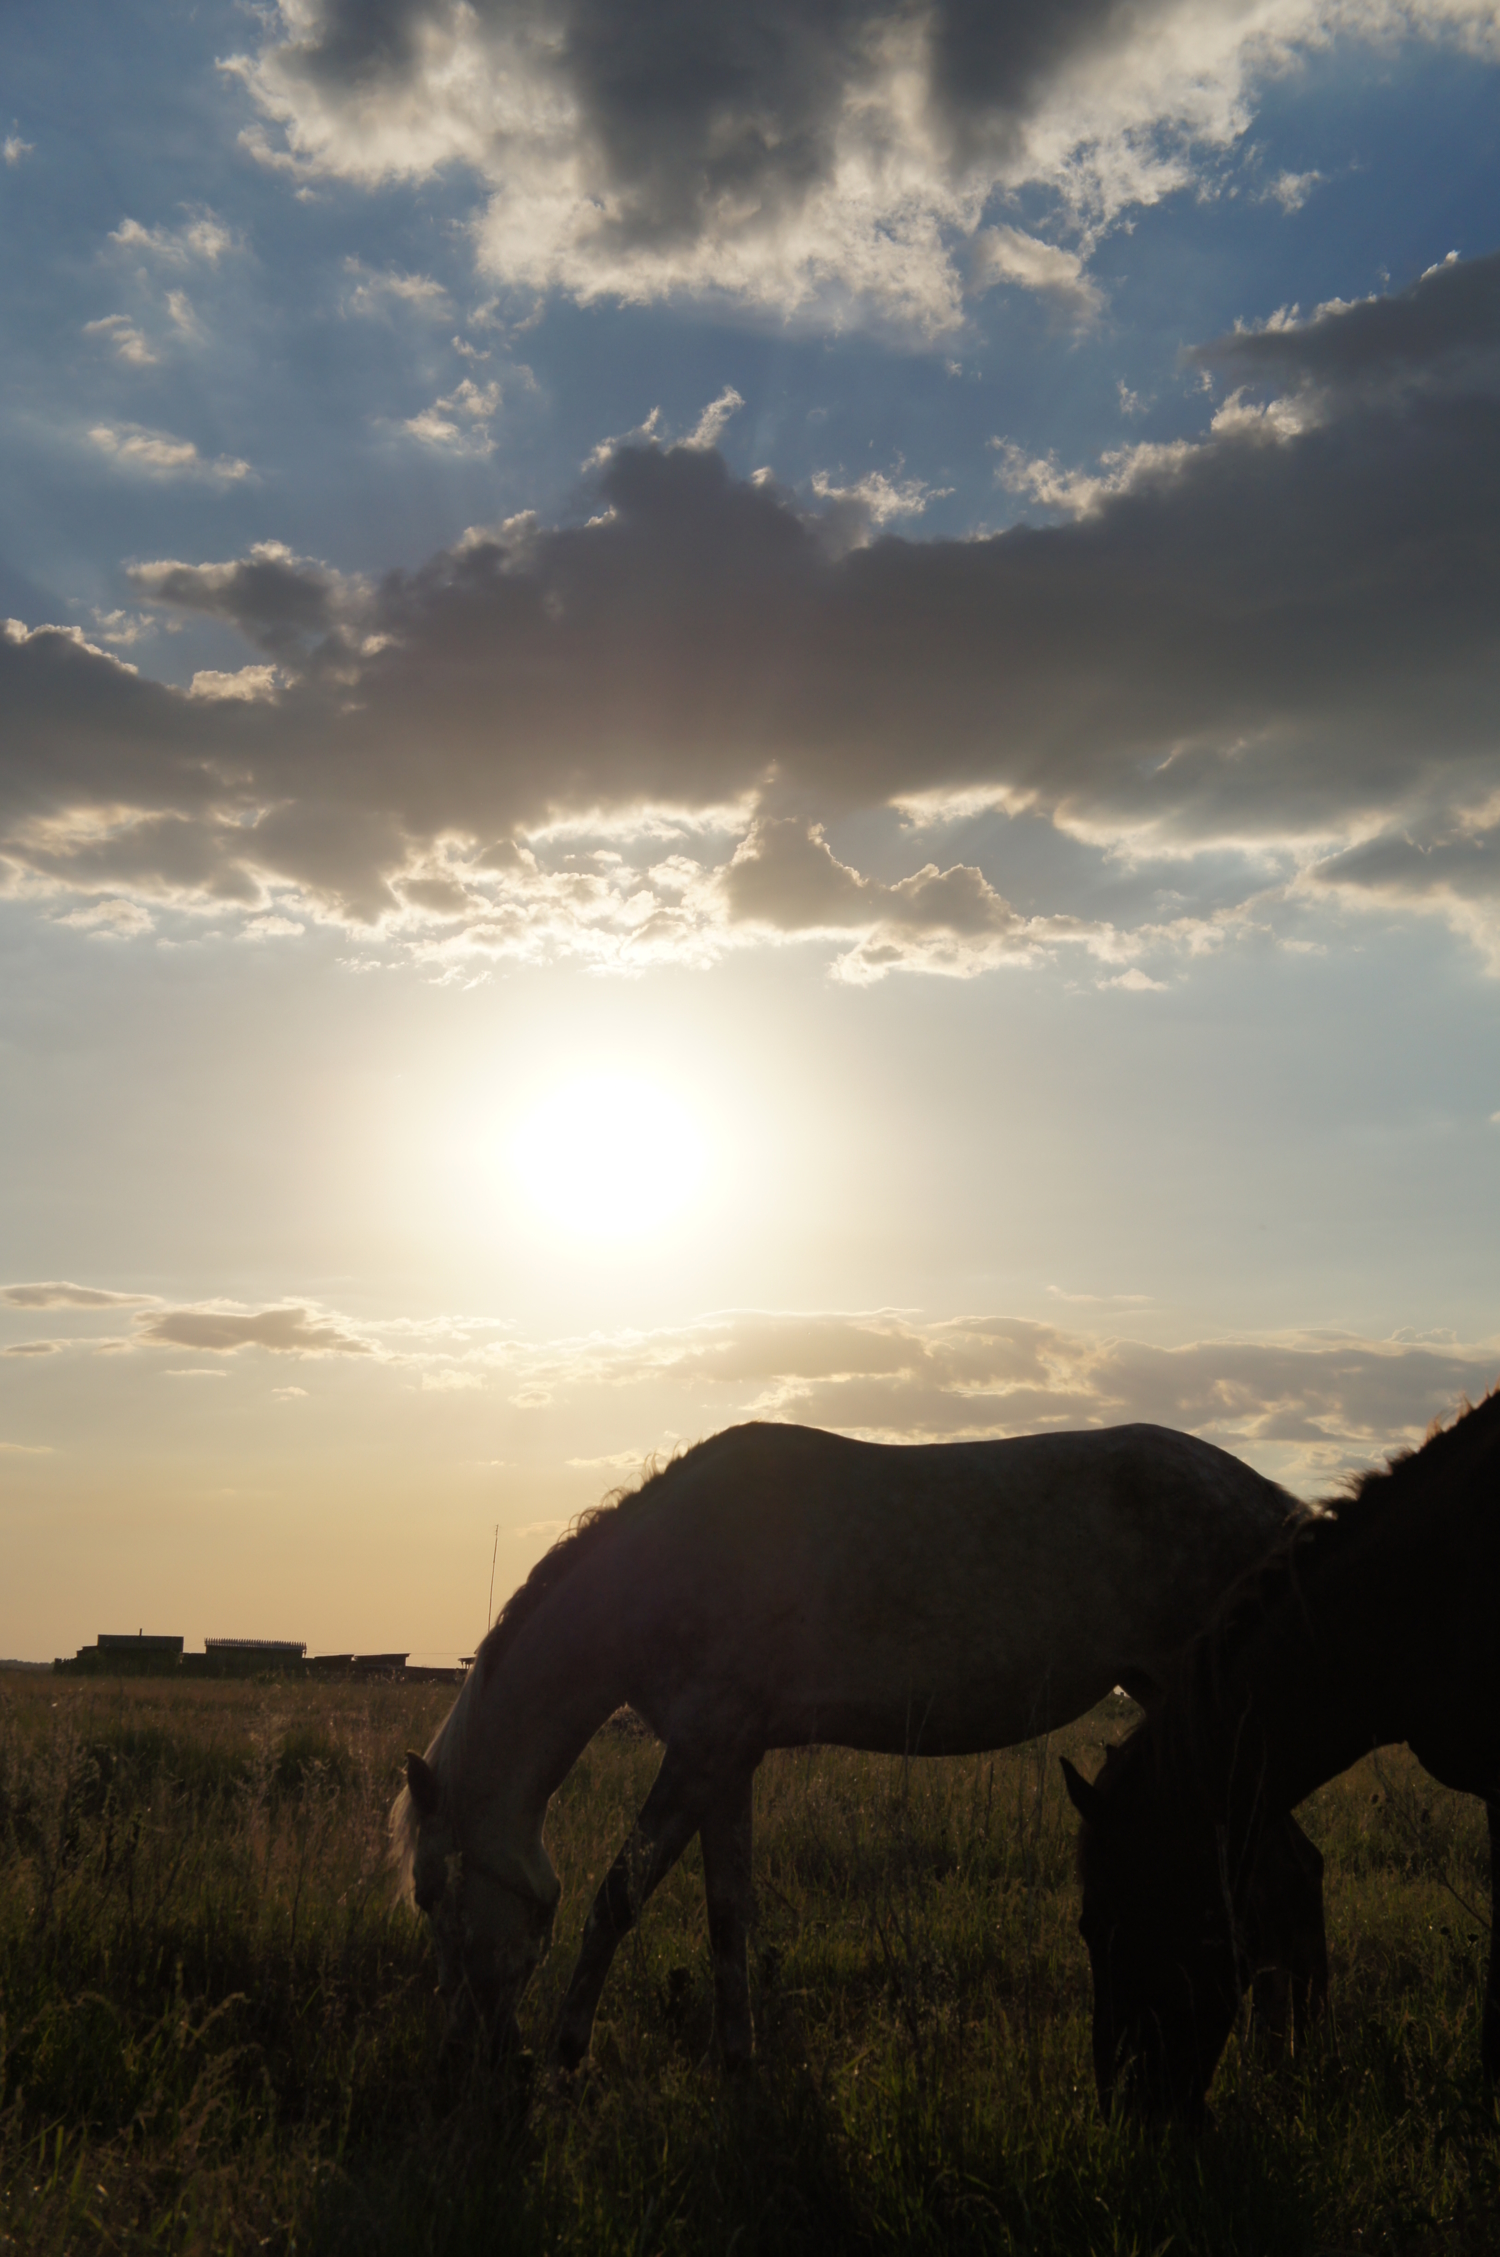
(719, 711)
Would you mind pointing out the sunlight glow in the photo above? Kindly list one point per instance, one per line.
(608, 1156)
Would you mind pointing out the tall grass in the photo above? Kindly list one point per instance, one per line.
(217, 2029)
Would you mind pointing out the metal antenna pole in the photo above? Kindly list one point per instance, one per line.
(489, 1612)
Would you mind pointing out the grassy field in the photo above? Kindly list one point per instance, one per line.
(217, 2030)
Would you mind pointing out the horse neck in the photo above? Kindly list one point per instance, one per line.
(1294, 1698)
(537, 1709)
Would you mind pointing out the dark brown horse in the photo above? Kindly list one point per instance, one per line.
(1369, 1627)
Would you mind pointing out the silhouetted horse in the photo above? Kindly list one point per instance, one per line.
(1371, 1626)
(778, 1586)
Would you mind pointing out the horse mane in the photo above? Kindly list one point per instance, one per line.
(579, 1541)
(1182, 1730)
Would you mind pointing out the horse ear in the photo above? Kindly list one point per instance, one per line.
(421, 1784)
(1084, 1796)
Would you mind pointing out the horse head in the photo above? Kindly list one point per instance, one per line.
(489, 1904)
(1161, 1941)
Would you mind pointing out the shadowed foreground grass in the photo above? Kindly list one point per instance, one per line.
(217, 2030)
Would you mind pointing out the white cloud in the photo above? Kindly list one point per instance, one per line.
(271, 927)
(715, 418)
(1136, 982)
(110, 920)
(249, 684)
(1291, 189)
(1005, 254)
(14, 148)
(857, 512)
(122, 628)
(1083, 493)
(375, 291)
(164, 456)
(443, 424)
(202, 236)
(120, 331)
(179, 308)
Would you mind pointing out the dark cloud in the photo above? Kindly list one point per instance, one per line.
(291, 1331)
(281, 602)
(1284, 632)
(1443, 330)
(686, 106)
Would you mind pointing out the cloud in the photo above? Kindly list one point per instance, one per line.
(250, 684)
(60, 1295)
(1309, 1407)
(292, 1330)
(376, 292)
(822, 165)
(1005, 254)
(854, 514)
(163, 456)
(120, 331)
(202, 236)
(785, 877)
(634, 737)
(460, 422)
(715, 418)
(32, 1348)
(1439, 338)
(122, 628)
(286, 604)
(110, 920)
(1291, 189)
(14, 149)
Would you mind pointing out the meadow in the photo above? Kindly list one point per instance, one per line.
(218, 2029)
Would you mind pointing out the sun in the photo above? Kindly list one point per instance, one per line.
(608, 1156)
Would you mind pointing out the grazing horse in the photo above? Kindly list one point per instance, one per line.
(778, 1586)
(1372, 1625)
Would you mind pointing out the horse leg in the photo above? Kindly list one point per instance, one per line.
(726, 1837)
(670, 1816)
(1489, 2051)
(1285, 1938)
(1309, 1953)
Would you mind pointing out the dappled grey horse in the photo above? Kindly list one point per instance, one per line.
(778, 1586)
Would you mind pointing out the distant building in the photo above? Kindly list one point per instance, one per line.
(128, 1653)
(247, 1657)
(358, 1665)
(283, 1649)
